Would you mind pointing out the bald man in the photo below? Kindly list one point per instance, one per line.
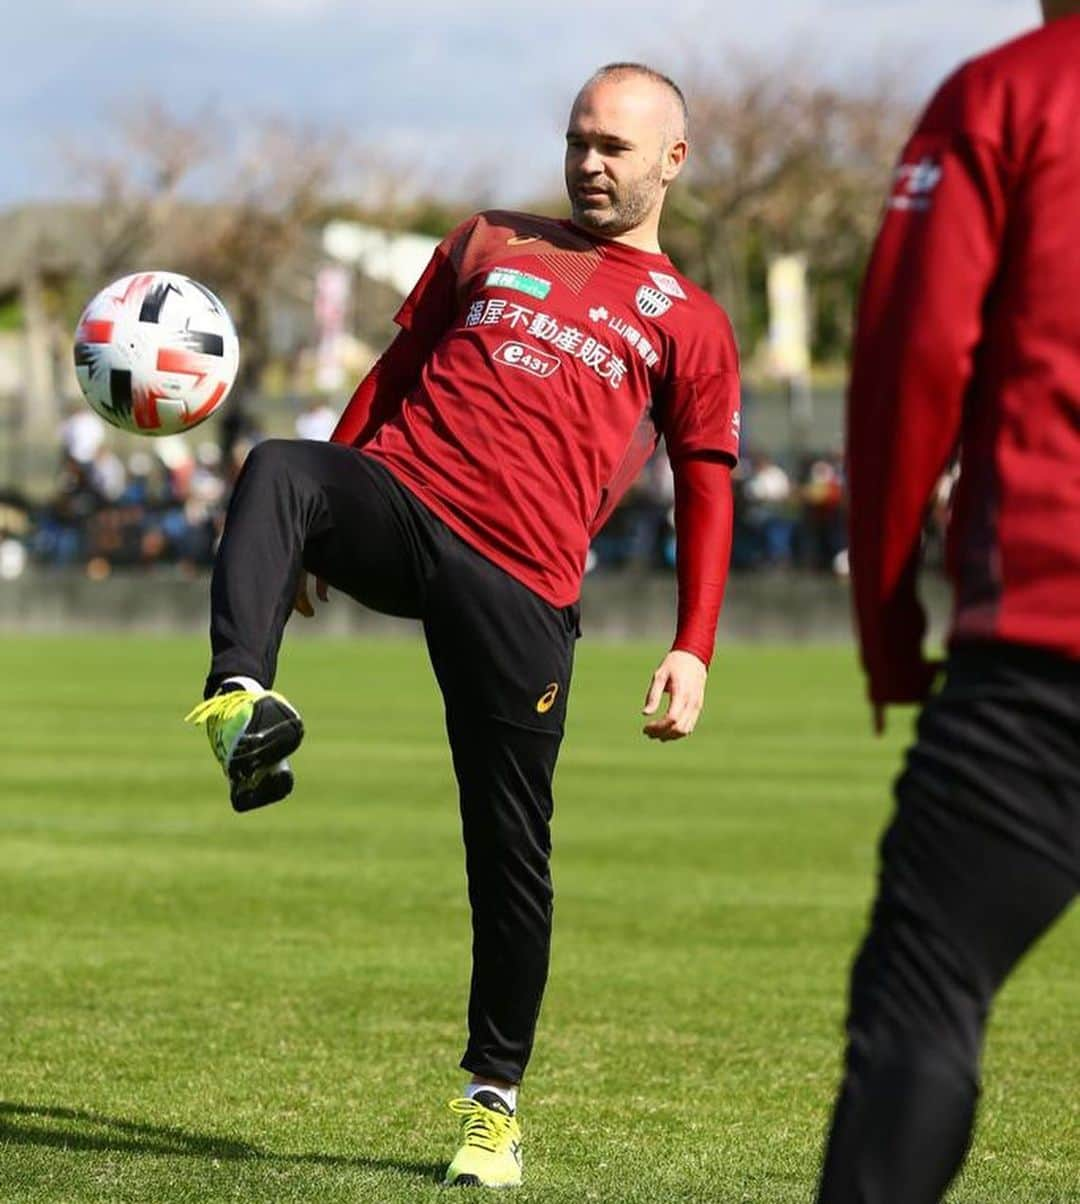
(537, 366)
(968, 344)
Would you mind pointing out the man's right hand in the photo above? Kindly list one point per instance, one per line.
(302, 602)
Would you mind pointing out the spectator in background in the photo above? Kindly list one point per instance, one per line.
(240, 432)
(650, 517)
(316, 421)
(60, 538)
(767, 516)
(107, 475)
(81, 434)
(203, 510)
(824, 514)
(14, 530)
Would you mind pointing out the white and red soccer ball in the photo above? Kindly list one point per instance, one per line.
(156, 353)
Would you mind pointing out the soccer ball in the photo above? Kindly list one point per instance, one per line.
(156, 353)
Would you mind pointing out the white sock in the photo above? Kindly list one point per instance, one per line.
(245, 683)
(508, 1095)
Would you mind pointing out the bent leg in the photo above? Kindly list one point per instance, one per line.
(301, 504)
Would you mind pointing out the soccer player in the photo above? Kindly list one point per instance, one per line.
(968, 341)
(538, 363)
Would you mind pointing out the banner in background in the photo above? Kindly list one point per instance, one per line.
(789, 318)
(332, 284)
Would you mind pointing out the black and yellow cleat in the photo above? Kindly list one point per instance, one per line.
(251, 734)
(490, 1150)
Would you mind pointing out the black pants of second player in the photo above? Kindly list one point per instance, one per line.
(502, 657)
(982, 855)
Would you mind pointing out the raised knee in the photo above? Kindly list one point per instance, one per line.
(270, 460)
(267, 453)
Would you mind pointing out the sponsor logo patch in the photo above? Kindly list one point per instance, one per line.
(520, 240)
(527, 359)
(651, 302)
(547, 699)
(914, 184)
(668, 284)
(520, 282)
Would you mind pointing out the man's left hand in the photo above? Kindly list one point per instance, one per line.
(912, 685)
(302, 601)
(681, 676)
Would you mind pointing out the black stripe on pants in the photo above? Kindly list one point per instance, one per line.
(982, 855)
(503, 658)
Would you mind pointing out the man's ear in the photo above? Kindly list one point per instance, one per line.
(674, 158)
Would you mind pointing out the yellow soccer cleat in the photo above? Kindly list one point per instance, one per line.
(251, 734)
(490, 1151)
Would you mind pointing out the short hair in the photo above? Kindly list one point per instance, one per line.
(618, 70)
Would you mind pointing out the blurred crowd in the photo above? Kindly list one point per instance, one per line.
(785, 517)
(165, 505)
(162, 504)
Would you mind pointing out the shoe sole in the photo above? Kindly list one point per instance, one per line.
(271, 787)
(476, 1181)
(257, 754)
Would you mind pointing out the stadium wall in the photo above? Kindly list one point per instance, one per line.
(772, 608)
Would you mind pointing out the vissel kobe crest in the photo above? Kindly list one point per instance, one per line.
(651, 302)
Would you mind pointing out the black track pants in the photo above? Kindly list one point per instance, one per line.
(982, 855)
(503, 659)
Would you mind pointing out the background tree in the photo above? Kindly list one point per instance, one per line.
(783, 162)
(233, 202)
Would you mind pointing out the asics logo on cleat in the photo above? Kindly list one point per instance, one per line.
(490, 1150)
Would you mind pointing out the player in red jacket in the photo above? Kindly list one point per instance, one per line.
(538, 363)
(968, 344)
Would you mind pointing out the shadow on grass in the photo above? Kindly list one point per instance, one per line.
(74, 1129)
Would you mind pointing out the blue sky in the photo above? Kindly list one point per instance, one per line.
(441, 85)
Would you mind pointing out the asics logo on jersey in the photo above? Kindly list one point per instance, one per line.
(521, 240)
(547, 699)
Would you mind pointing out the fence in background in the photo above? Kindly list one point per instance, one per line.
(778, 608)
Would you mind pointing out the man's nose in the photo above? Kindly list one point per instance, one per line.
(592, 162)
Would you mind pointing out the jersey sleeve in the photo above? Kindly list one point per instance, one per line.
(919, 324)
(429, 310)
(699, 407)
(380, 394)
(424, 317)
(703, 526)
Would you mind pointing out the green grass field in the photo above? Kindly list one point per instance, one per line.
(198, 1006)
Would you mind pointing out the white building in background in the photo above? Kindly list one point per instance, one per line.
(390, 258)
(395, 260)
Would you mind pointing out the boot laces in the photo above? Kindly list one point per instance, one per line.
(482, 1128)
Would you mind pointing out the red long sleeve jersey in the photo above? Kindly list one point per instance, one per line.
(557, 360)
(969, 339)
